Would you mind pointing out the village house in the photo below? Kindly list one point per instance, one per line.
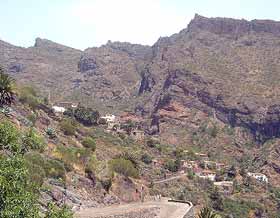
(259, 176)
(58, 109)
(225, 187)
(206, 174)
(111, 121)
(212, 164)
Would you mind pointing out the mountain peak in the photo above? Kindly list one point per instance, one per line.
(234, 27)
(50, 45)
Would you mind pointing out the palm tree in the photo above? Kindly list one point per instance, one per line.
(206, 212)
(6, 89)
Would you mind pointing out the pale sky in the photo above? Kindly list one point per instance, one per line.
(87, 23)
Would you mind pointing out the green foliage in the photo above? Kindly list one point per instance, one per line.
(106, 183)
(147, 159)
(68, 126)
(56, 212)
(239, 209)
(71, 156)
(28, 95)
(17, 198)
(128, 126)
(48, 167)
(32, 140)
(124, 167)
(9, 137)
(172, 165)
(89, 142)
(152, 142)
(6, 89)
(51, 132)
(216, 200)
(32, 118)
(87, 116)
(206, 212)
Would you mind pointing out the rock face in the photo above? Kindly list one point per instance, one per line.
(224, 67)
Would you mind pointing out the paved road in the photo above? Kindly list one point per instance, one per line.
(167, 209)
(171, 178)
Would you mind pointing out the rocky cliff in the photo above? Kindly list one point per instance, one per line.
(226, 68)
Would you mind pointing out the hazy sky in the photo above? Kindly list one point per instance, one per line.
(86, 23)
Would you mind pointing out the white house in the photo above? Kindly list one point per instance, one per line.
(259, 176)
(58, 109)
(206, 174)
(110, 118)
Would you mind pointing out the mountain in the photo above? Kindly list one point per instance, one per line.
(224, 67)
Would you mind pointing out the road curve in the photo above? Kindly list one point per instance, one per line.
(167, 209)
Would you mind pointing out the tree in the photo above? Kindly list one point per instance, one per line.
(6, 89)
(206, 212)
(87, 116)
(17, 198)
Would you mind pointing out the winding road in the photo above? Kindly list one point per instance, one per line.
(167, 209)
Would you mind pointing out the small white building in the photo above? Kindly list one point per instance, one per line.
(206, 174)
(58, 109)
(110, 118)
(259, 176)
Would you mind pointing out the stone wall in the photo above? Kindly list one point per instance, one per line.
(146, 213)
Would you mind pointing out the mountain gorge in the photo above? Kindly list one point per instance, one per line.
(224, 67)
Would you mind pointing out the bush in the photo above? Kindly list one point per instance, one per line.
(49, 168)
(32, 118)
(71, 156)
(28, 95)
(17, 198)
(32, 140)
(152, 143)
(172, 165)
(124, 167)
(56, 212)
(87, 116)
(68, 127)
(9, 137)
(6, 88)
(147, 159)
(51, 132)
(89, 142)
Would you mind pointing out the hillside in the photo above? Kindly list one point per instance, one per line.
(209, 93)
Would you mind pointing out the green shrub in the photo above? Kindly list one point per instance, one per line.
(28, 95)
(106, 183)
(17, 195)
(54, 211)
(71, 156)
(51, 132)
(147, 159)
(6, 89)
(32, 118)
(68, 127)
(55, 169)
(172, 165)
(9, 137)
(87, 116)
(50, 168)
(32, 140)
(89, 142)
(152, 142)
(124, 167)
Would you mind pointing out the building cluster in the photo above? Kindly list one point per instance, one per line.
(116, 125)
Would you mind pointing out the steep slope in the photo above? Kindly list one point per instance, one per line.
(222, 66)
